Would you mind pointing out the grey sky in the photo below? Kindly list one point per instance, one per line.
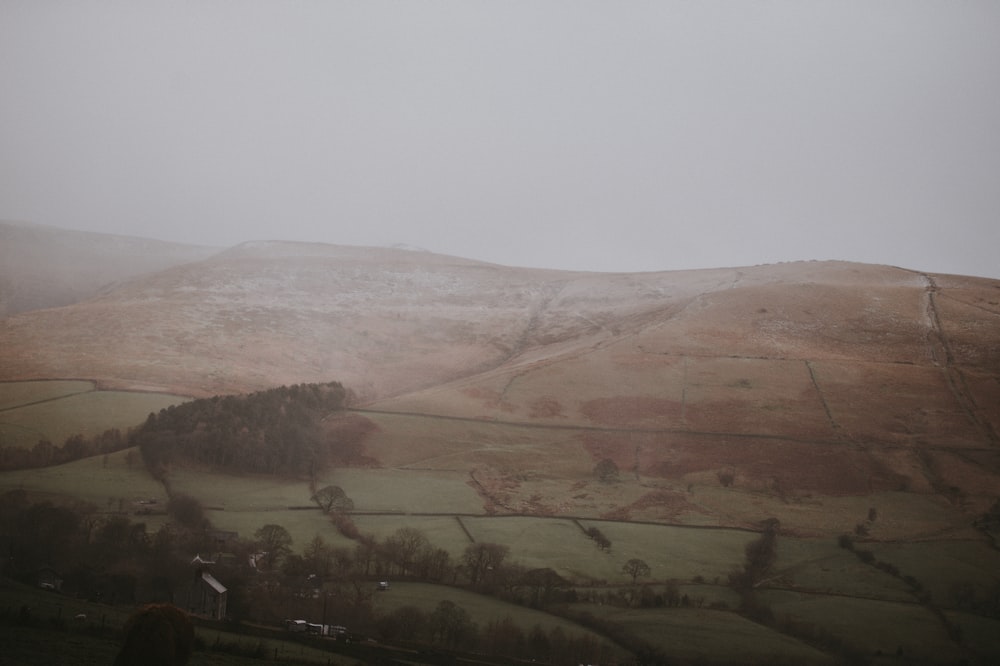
(567, 134)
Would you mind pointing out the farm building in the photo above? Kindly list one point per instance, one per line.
(206, 596)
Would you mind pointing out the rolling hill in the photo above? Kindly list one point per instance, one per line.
(722, 395)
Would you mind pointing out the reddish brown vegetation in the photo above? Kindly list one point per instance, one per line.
(658, 504)
(157, 635)
(826, 468)
(350, 431)
(546, 407)
(499, 492)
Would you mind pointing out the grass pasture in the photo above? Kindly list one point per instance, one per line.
(20, 394)
(406, 490)
(870, 625)
(900, 515)
(481, 609)
(673, 552)
(705, 636)
(556, 543)
(815, 582)
(241, 492)
(101, 480)
(821, 565)
(56, 410)
(980, 634)
(941, 565)
(442, 531)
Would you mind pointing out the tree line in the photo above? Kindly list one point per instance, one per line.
(276, 431)
(108, 557)
(75, 447)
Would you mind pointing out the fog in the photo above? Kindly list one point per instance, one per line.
(608, 136)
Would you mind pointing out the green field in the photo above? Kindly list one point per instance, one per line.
(442, 531)
(941, 565)
(56, 410)
(19, 394)
(676, 552)
(814, 581)
(481, 609)
(404, 490)
(105, 481)
(709, 636)
(863, 623)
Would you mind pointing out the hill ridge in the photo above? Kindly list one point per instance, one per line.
(831, 377)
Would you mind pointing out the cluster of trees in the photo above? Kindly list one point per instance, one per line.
(277, 431)
(97, 555)
(326, 583)
(759, 557)
(332, 498)
(75, 447)
(407, 554)
(105, 555)
(602, 541)
(922, 594)
(451, 626)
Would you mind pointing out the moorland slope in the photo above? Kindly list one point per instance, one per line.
(785, 381)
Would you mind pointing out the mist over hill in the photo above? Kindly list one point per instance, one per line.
(810, 376)
(44, 267)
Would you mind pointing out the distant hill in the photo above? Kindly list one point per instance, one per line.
(382, 321)
(829, 377)
(44, 267)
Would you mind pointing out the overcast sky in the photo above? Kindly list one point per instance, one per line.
(610, 136)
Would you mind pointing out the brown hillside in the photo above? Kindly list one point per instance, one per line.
(381, 321)
(828, 378)
(796, 380)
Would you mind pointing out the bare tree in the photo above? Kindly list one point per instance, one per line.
(635, 568)
(319, 557)
(451, 624)
(333, 498)
(481, 560)
(275, 542)
(403, 546)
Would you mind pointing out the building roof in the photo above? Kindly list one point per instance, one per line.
(213, 583)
